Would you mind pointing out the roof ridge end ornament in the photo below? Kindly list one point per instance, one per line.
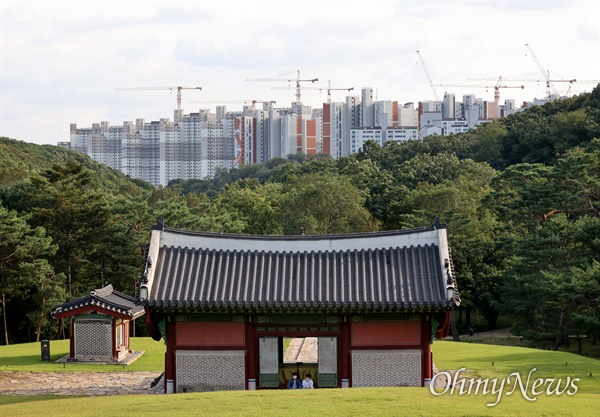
(160, 224)
(437, 224)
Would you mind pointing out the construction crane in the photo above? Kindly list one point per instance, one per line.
(253, 102)
(496, 87)
(546, 73)
(171, 88)
(536, 80)
(289, 80)
(329, 89)
(582, 82)
(428, 76)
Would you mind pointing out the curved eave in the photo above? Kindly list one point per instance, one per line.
(113, 312)
(150, 304)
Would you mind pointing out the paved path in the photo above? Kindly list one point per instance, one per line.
(291, 353)
(78, 383)
(302, 349)
(310, 350)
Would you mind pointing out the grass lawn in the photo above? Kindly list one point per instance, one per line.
(588, 349)
(26, 357)
(355, 402)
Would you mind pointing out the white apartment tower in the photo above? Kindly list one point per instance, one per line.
(383, 111)
(401, 134)
(275, 130)
(408, 116)
(335, 131)
(359, 135)
(352, 120)
(291, 134)
(448, 106)
(367, 108)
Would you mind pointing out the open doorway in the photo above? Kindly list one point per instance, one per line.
(280, 357)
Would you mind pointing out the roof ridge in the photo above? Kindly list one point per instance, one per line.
(361, 235)
(101, 292)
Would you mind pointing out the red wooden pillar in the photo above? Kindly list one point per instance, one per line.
(427, 366)
(72, 338)
(344, 365)
(113, 325)
(251, 362)
(170, 373)
(126, 334)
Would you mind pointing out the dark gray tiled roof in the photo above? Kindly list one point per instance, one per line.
(105, 298)
(405, 277)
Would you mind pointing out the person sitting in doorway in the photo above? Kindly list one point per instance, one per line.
(307, 383)
(294, 383)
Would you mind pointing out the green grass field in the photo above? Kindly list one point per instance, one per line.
(27, 358)
(330, 402)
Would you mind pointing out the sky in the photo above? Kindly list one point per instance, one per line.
(61, 61)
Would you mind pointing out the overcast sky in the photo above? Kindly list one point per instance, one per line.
(61, 61)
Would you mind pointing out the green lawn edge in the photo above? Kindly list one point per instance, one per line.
(487, 361)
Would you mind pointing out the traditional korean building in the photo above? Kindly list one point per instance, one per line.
(223, 304)
(100, 324)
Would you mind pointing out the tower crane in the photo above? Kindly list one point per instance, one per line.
(496, 87)
(546, 73)
(171, 88)
(428, 76)
(536, 80)
(329, 89)
(253, 102)
(289, 80)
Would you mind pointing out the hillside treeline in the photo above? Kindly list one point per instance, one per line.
(521, 197)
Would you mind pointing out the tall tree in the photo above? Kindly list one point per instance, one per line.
(324, 204)
(552, 223)
(74, 212)
(22, 258)
(256, 205)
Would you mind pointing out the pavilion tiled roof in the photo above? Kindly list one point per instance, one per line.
(398, 269)
(103, 298)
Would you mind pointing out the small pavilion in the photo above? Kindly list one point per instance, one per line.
(100, 325)
(223, 303)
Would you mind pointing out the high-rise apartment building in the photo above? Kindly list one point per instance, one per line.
(367, 107)
(159, 151)
(408, 116)
(336, 129)
(448, 106)
(401, 134)
(196, 145)
(359, 135)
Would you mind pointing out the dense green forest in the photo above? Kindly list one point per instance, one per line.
(520, 195)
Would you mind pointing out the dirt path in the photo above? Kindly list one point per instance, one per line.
(494, 333)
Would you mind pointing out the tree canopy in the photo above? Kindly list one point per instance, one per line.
(520, 195)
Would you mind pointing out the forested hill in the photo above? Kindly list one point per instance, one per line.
(20, 160)
(520, 195)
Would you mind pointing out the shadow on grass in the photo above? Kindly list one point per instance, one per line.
(28, 360)
(17, 399)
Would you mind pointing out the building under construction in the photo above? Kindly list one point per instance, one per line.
(196, 145)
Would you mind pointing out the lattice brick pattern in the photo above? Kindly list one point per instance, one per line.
(210, 370)
(386, 368)
(93, 340)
